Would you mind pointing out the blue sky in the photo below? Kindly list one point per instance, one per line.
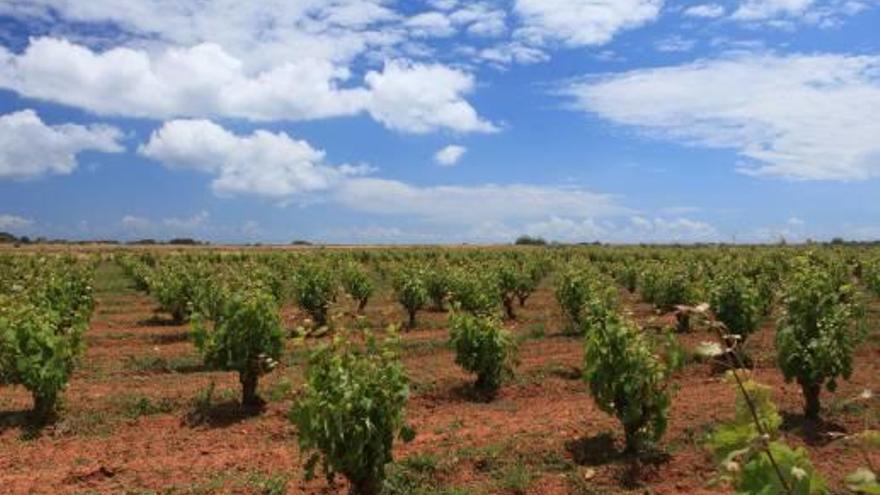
(379, 121)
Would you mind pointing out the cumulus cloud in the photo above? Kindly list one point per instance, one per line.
(205, 81)
(554, 228)
(449, 155)
(278, 167)
(504, 54)
(136, 223)
(472, 204)
(258, 33)
(751, 10)
(14, 222)
(187, 223)
(785, 13)
(671, 230)
(636, 228)
(30, 148)
(674, 43)
(568, 230)
(263, 163)
(481, 19)
(705, 11)
(795, 116)
(579, 23)
(420, 98)
(430, 24)
(195, 224)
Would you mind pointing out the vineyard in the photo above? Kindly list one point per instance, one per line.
(428, 370)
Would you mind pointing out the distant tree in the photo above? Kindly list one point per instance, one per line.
(527, 240)
(7, 238)
(300, 242)
(184, 241)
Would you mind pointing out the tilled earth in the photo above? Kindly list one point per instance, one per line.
(142, 415)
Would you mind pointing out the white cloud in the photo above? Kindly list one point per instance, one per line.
(567, 230)
(553, 228)
(420, 98)
(139, 225)
(578, 23)
(378, 234)
(753, 10)
(203, 80)
(785, 13)
(188, 223)
(430, 24)
(276, 166)
(796, 222)
(796, 116)
(443, 4)
(259, 33)
(206, 81)
(450, 155)
(507, 53)
(634, 229)
(262, 163)
(14, 222)
(674, 43)
(481, 19)
(472, 204)
(680, 210)
(30, 148)
(673, 230)
(706, 11)
(136, 223)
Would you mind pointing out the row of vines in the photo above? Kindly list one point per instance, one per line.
(351, 409)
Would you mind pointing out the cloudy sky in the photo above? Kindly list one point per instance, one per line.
(440, 120)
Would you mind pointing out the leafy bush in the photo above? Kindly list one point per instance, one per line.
(247, 338)
(411, 292)
(730, 438)
(585, 297)
(208, 297)
(173, 285)
(36, 351)
(742, 451)
(528, 279)
(667, 285)
(572, 291)
(759, 477)
(438, 285)
(473, 289)
(735, 302)
(357, 284)
(507, 278)
(626, 380)
(627, 275)
(315, 290)
(483, 347)
(352, 409)
(871, 275)
(816, 334)
(45, 306)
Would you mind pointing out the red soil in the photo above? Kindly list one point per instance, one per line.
(544, 419)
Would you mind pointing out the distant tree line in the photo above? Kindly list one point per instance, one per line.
(527, 240)
(7, 238)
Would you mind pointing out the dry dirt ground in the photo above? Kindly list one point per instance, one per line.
(141, 414)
